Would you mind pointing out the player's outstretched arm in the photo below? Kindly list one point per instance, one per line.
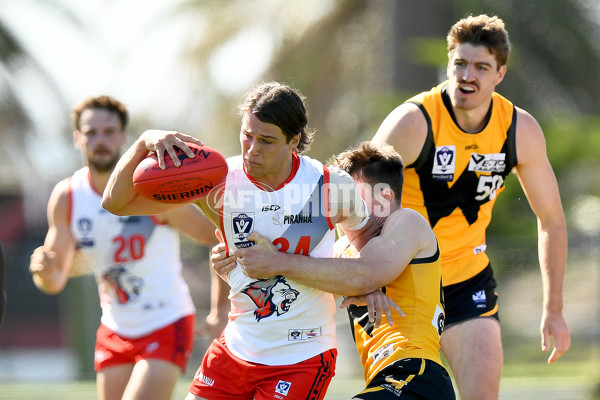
(120, 196)
(50, 264)
(380, 261)
(540, 186)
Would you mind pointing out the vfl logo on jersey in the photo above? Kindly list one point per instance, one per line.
(283, 388)
(271, 296)
(126, 285)
(487, 163)
(444, 163)
(242, 228)
(84, 226)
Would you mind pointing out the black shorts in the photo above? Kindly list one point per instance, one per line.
(473, 298)
(410, 379)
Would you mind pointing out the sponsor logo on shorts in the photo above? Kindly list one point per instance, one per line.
(479, 299)
(101, 355)
(204, 379)
(303, 334)
(152, 347)
(394, 385)
(283, 388)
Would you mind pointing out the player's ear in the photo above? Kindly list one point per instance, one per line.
(500, 75)
(295, 141)
(388, 194)
(77, 139)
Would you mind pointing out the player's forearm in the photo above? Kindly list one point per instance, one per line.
(552, 248)
(120, 192)
(346, 277)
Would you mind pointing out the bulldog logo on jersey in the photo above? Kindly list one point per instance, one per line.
(126, 285)
(444, 163)
(271, 296)
(243, 224)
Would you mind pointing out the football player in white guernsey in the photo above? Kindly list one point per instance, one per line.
(280, 338)
(148, 317)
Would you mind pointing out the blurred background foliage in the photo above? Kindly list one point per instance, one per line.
(354, 60)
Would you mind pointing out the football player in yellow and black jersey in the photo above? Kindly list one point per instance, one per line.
(459, 141)
(400, 269)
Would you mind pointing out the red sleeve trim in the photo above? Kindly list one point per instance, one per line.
(157, 221)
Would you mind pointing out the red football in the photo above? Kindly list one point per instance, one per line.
(192, 180)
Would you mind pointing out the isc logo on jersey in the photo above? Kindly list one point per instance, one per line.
(494, 162)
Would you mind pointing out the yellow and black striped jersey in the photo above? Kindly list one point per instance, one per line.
(415, 336)
(456, 178)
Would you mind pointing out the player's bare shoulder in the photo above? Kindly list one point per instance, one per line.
(405, 128)
(530, 140)
(61, 194)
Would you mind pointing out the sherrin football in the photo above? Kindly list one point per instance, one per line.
(192, 180)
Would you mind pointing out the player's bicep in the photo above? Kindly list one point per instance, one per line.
(405, 236)
(380, 255)
(534, 170)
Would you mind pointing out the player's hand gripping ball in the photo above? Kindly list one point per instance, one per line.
(194, 179)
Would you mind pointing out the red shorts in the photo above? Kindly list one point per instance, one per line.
(223, 376)
(173, 343)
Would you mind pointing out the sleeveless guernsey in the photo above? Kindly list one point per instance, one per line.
(415, 336)
(278, 321)
(456, 178)
(135, 260)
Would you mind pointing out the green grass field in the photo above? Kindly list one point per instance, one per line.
(513, 388)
